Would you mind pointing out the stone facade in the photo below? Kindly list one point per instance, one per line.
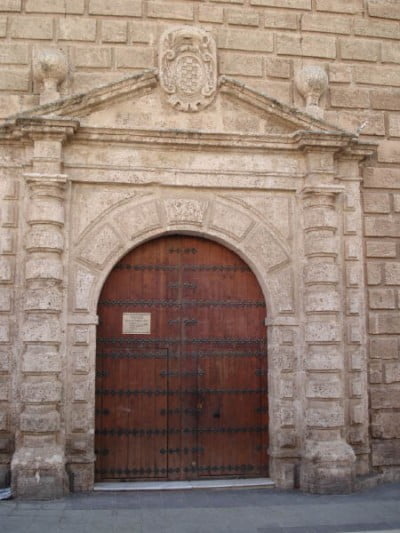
(274, 133)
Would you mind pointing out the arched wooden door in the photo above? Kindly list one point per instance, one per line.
(181, 386)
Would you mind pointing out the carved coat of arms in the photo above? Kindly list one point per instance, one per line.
(188, 68)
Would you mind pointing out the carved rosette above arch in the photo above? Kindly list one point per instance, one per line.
(188, 68)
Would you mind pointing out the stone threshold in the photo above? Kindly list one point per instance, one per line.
(185, 485)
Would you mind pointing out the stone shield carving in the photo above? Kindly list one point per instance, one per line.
(188, 68)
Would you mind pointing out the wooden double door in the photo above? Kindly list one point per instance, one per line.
(181, 376)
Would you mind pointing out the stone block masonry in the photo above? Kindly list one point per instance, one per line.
(264, 44)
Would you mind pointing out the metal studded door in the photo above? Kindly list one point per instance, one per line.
(181, 386)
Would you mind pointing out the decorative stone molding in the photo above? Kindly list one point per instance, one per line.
(50, 69)
(188, 68)
(312, 82)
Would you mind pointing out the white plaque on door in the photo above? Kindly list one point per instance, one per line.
(136, 323)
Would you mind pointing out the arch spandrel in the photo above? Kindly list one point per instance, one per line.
(123, 228)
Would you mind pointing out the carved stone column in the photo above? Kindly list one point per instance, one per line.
(328, 462)
(38, 465)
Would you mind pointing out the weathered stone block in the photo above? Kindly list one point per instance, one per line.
(137, 57)
(385, 452)
(384, 323)
(44, 268)
(328, 416)
(376, 202)
(322, 332)
(43, 299)
(373, 28)
(307, 45)
(385, 398)
(323, 388)
(41, 359)
(375, 374)
(323, 358)
(14, 54)
(63, 7)
(213, 14)
(5, 299)
(105, 242)
(321, 273)
(396, 203)
(14, 80)
(80, 361)
(41, 391)
(10, 5)
(391, 52)
(359, 49)
(45, 238)
(176, 11)
(392, 372)
(326, 23)
(31, 28)
(114, 31)
(242, 17)
(98, 57)
(77, 29)
(386, 425)
(349, 97)
(40, 422)
(320, 217)
(381, 249)
(385, 99)
(382, 299)
(278, 68)
(80, 390)
(284, 21)
(384, 9)
(41, 329)
(288, 4)
(327, 300)
(392, 273)
(340, 6)
(120, 8)
(255, 41)
(320, 245)
(382, 226)
(4, 330)
(382, 348)
(81, 417)
(374, 273)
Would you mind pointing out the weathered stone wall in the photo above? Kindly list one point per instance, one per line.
(263, 43)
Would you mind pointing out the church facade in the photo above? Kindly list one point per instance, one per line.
(200, 278)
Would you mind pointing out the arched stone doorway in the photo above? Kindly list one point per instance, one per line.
(181, 385)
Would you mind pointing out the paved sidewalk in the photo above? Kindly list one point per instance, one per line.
(207, 511)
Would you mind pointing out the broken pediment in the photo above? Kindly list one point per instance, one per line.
(138, 102)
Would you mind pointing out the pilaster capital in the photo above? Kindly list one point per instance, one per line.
(321, 195)
(50, 128)
(48, 185)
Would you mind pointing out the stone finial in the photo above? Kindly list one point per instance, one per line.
(312, 82)
(50, 68)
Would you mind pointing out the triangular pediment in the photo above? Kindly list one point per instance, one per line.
(138, 102)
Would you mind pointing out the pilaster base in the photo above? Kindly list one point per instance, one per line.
(39, 474)
(327, 468)
(81, 476)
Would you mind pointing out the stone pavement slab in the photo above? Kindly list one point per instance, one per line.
(208, 511)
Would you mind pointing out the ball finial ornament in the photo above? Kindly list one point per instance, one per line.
(312, 82)
(50, 69)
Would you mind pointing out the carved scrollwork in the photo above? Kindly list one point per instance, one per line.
(188, 68)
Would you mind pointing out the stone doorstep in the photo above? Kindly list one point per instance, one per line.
(185, 485)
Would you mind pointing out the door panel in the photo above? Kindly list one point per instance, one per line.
(189, 398)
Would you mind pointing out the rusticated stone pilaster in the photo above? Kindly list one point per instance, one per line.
(327, 461)
(38, 465)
